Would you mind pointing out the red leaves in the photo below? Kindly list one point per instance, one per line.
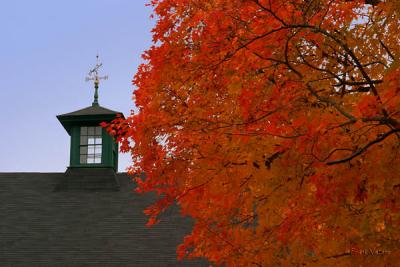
(361, 192)
(152, 220)
(241, 106)
(369, 106)
(245, 100)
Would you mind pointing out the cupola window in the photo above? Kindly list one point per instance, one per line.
(90, 145)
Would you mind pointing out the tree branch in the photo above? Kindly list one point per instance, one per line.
(363, 149)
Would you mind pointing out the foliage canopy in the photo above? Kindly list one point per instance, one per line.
(276, 126)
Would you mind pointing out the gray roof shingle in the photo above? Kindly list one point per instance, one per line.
(43, 227)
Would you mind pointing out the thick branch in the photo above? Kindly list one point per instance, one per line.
(332, 103)
(363, 149)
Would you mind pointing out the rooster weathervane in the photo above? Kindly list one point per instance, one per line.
(93, 75)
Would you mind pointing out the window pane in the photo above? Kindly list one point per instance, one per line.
(98, 150)
(97, 160)
(84, 150)
(91, 141)
(90, 130)
(83, 130)
(98, 130)
(83, 159)
(90, 159)
(98, 141)
(97, 156)
(90, 150)
(84, 140)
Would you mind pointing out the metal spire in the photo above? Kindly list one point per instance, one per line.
(94, 76)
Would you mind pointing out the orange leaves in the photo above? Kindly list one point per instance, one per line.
(152, 220)
(242, 105)
(245, 100)
(369, 106)
(391, 89)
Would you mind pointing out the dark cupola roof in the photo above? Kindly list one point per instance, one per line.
(94, 113)
(91, 110)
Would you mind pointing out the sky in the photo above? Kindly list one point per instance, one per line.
(47, 48)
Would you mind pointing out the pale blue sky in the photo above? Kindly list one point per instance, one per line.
(46, 49)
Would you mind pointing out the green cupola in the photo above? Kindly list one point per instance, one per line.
(91, 146)
(93, 152)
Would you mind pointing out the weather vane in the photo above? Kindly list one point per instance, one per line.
(93, 75)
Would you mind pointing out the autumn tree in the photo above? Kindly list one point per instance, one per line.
(276, 126)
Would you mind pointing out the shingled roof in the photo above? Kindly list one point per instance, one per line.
(40, 226)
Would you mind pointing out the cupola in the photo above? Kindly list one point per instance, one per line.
(91, 146)
(93, 152)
